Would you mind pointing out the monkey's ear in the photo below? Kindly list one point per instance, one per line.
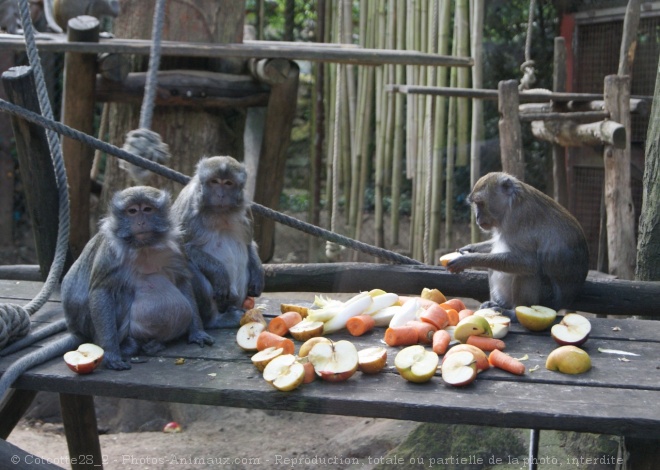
(510, 185)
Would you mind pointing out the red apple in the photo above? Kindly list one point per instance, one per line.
(85, 359)
(334, 361)
(573, 330)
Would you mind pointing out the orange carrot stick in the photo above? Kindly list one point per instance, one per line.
(453, 316)
(436, 316)
(360, 324)
(404, 335)
(441, 340)
(466, 312)
(424, 331)
(456, 304)
(280, 324)
(267, 339)
(486, 344)
(505, 362)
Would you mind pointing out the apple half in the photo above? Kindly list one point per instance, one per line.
(334, 361)
(306, 329)
(372, 360)
(479, 355)
(263, 357)
(85, 359)
(246, 336)
(568, 359)
(284, 372)
(499, 324)
(307, 346)
(573, 329)
(472, 326)
(416, 364)
(459, 369)
(536, 317)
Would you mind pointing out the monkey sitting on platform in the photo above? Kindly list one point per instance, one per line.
(538, 254)
(217, 234)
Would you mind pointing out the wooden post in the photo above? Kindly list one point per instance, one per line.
(6, 165)
(78, 113)
(560, 191)
(82, 436)
(36, 167)
(513, 161)
(270, 175)
(618, 195)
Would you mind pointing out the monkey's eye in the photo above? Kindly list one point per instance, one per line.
(147, 209)
(133, 210)
(216, 181)
(228, 183)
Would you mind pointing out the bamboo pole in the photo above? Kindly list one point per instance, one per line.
(451, 152)
(477, 136)
(379, 157)
(463, 81)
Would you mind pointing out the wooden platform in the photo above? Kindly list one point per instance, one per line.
(618, 396)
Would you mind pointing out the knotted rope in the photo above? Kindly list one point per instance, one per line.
(143, 141)
(15, 319)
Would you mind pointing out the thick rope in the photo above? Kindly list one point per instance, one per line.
(183, 179)
(14, 319)
(527, 67)
(143, 141)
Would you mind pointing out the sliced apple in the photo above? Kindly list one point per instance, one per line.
(310, 374)
(302, 310)
(445, 259)
(85, 359)
(433, 294)
(573, 329)
(263, 357)
(479, 355)
(472, 326)
(172, 427)
(372, 360)
(307, 346)
(284, 372)
(247, 335)
(499, 324)
(334, 361)
(568, 360)
(306, 329)
(536, 317)
(459, 369)
(416, 364)
(253, 315)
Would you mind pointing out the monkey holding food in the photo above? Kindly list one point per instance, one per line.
(538, 253)
(129, 290)
(217, 235)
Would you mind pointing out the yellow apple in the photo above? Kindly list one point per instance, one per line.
(459, 369)
(372, 360)
(307, 346)
(416, 364)
(334, 361)
(284, 372)
(472, 326)
(568, 360)
(536, 317)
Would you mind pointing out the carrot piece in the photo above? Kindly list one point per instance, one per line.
(505, 362)
(486, 344)
(436, 316)
(453, 316)
(404, 335)
(441, 340)
(456, 304)
(360, 324)
(424, 331)
(267, 339)
(280, 324)
(466, 312)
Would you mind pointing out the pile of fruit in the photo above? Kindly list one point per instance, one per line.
(425, 327)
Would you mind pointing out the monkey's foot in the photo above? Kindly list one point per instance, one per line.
(200, 337)
(129, 347)
(113, 361)
(229, 319)
(152, 347)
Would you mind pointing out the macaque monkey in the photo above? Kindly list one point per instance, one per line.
(217, 236)
(538, 253)
(129, 291)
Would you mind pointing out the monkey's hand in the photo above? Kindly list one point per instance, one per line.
(255, 284)
(200, 337)
(460, 263)
(112, 360)
(481, 247)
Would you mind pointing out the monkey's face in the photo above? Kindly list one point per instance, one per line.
(140, 216)
(485, 210)
(223, 193)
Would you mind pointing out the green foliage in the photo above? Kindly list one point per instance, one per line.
(274, 12)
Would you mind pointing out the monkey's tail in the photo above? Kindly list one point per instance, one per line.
(34, 358)
(32, 338)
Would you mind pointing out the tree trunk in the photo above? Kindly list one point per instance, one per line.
(190, 133)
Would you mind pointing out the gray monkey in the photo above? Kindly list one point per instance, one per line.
(129, 291)
(217, 234)
(538, 253)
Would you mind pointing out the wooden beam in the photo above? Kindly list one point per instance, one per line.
(558, 167)
(332, 53)
(599, 294)
(80, 428)
(572, 134)
(513, 159)
(78, 112)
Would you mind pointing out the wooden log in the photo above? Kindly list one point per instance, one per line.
(513, 161)
(621, 244)
(269, 71)
(332, 53)
(599, 294)
(82, 437)
(638, 106)
(36, 167)
(272, 159)
(189, 88)
(20, 272)
(78, 113)
(572, 134)
(559, 116)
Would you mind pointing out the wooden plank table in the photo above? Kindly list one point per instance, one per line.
(619, 396)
